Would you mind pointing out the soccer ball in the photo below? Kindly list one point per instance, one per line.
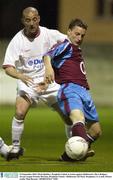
(76, 147)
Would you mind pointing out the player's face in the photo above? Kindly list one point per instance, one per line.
(76, 35)
(31, 23)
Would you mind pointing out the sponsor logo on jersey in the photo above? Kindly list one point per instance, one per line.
(35, 62)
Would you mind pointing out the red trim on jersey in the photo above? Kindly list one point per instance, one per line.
(6, 66)
(38, 33)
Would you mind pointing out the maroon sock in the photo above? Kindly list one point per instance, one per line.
(78, 129)
(91, 139)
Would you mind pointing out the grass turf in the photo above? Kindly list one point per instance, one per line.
(44, 140)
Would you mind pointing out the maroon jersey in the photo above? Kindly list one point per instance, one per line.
(68, 64)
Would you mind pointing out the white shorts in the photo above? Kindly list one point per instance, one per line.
(49, 96)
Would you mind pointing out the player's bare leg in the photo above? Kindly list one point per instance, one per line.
(78, 129)
(68, 130)
(94, 132)
(66, 119)
(94, 129)
(22, 107)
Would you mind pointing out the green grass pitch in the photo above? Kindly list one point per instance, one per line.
(44, 140)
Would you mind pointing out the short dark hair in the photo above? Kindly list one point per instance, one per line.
(77, 22)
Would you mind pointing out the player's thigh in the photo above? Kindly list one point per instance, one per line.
(89, 107)
(69, 98)
(77, 115)
(22, 106)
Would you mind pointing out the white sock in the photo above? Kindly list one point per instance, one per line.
(68, 130)
(17, 130)
(4, 149)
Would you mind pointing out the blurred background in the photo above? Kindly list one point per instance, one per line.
(56, 14)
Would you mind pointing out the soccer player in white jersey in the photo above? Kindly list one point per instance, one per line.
(23, 61)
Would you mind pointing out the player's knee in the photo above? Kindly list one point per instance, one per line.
(98, 130)
(98, 133)
(76, 115)
(19, 115)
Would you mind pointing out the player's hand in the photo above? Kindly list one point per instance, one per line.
(49, 76)
(40, 87)
(26, 79)
(11, 71)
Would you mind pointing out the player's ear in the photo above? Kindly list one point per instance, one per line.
(68, 32)
(38, 18)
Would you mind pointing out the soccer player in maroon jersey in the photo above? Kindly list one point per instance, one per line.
(65, 64)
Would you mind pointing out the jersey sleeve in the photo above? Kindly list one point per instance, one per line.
(57, 49)
(55, 36)
(12, 53)
(59, 53)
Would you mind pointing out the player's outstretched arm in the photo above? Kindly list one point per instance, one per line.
(49, 72)
(11, 71)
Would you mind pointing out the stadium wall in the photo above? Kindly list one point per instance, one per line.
(98, 26)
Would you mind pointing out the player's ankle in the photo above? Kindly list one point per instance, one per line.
(16, 143)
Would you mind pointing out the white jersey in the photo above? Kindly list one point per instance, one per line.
(26, 56)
